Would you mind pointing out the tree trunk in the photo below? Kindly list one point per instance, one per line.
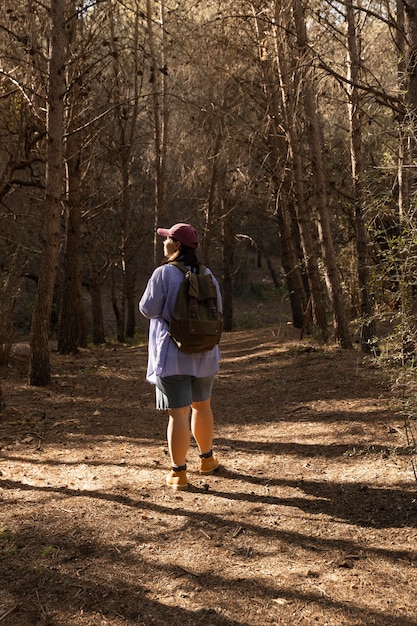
(39, 367)
(211, 200)
(291, 266)
(305, 220)
(367, 312)
(411, 56)
(128, 256)
(126, 131)
(227, 286)
(287, 225)
(72, 331)
(119, 314)
(407, 51)
(160, 118)
(274, 276)
(325, 235)
(404, 157)
(69, 318)
(95, 284)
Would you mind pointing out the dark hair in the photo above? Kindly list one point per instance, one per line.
(186, 255)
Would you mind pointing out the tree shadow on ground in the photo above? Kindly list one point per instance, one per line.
(357, 503)
(64, 586)
(327, 502)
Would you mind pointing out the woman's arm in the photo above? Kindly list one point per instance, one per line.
(152, 301)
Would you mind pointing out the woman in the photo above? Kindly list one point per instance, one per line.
(183, 381)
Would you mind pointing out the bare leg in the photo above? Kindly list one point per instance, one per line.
(202, 425)
(178, 434)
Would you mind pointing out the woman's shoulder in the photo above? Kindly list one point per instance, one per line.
(163, 270)
(167, 273)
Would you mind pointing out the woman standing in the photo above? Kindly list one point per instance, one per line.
(183, 381)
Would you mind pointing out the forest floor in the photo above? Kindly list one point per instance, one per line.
(311, 519)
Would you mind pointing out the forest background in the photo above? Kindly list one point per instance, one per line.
(285, 131)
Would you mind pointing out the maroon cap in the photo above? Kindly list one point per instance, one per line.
(184, 233)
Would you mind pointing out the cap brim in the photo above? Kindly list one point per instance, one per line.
(164, 232)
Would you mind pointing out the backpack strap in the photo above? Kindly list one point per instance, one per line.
(180, 266)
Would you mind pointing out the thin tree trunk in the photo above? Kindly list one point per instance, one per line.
(274, 276)
(407, 42)
(72, 325)
(95, 293)
(227, 286)
(160, 118)
(69, 320)
(39, 367)
(128, 257)
(291, 266)
(404, 157)
(278, 149)
(411, 56)
(118, 313)
(325, 235)
(305, 220)
(127, 130)
(367, 313)
(211, 210)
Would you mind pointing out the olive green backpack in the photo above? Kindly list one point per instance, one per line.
(196, 324)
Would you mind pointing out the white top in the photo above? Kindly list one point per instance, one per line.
(157, 304)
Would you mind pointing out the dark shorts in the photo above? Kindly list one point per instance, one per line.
(174, 392)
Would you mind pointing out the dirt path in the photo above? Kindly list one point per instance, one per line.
(312, 520)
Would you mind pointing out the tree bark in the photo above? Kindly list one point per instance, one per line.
(291, 264)
(367, 323)
(278, 149)
(324, 229)
(72, 327)
(69, 321)
(160, 118)
(95, 293)
(227, 286)
(126, 131)
(210, 212)
(404, 156)
(39, 367)
(305, 220)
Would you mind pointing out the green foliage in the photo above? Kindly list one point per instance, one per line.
(7, 543)
(48, 552)
(398, 362)
(394, 281)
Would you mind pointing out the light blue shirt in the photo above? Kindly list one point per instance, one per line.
(164, 357)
